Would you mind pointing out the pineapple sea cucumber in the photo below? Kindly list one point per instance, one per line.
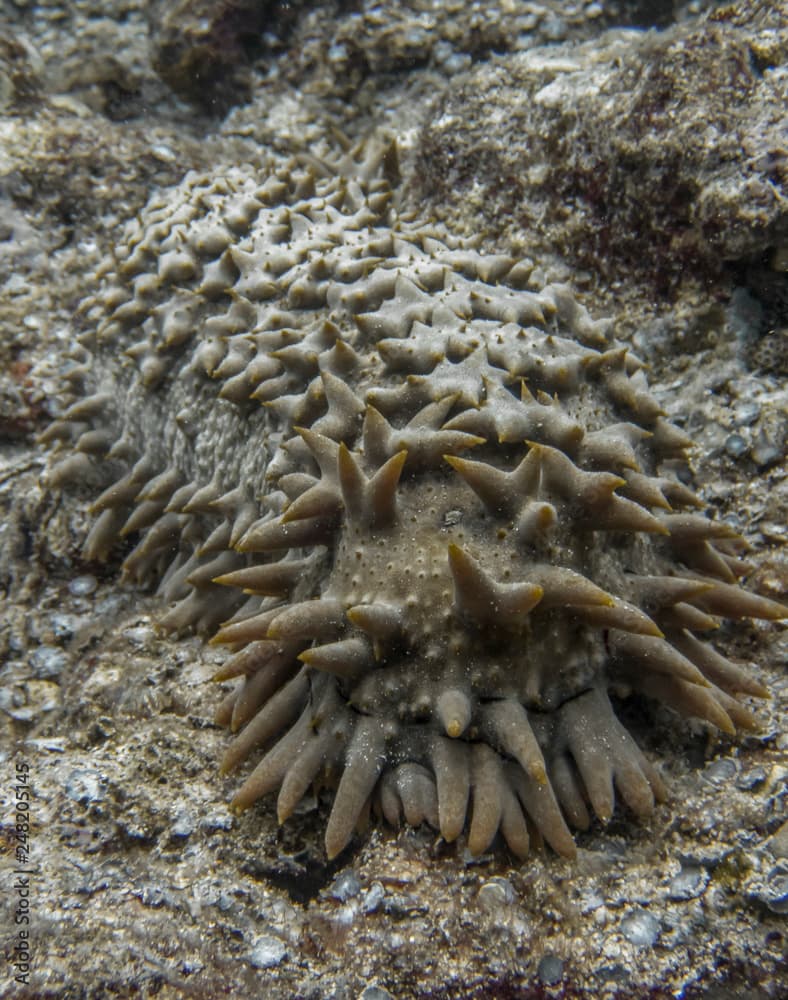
(432, 511)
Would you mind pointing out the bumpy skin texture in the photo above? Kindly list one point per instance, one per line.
(432, 512)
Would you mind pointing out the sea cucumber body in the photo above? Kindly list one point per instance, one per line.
(432, 510)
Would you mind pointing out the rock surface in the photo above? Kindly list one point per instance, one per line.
(657, 153)
(145, 883)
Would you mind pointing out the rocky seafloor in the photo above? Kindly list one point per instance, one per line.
(635, 150)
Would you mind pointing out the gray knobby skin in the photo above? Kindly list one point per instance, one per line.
(433, 512)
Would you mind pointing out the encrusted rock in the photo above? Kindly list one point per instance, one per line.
(670, 141)
(202, 47)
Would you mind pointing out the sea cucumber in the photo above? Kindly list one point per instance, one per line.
(432, 510)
